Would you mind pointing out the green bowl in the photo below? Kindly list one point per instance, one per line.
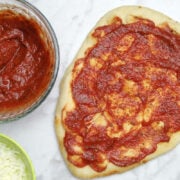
(21, 155)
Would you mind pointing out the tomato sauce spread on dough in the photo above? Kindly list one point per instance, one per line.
(126, 92)
(25, 62)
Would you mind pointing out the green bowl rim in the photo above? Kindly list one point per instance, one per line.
(24, 153)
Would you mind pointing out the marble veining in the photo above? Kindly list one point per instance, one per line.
(72, 20)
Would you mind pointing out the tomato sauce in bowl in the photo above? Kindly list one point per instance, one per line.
(28, 60)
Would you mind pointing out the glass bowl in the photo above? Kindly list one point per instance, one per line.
(48, 37)
(11, 151)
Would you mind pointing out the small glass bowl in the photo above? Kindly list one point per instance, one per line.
(29, 11)
(20, 154)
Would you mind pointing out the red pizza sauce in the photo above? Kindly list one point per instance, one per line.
(25, 61)
(127, 95)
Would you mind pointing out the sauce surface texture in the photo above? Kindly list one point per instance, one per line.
(126, 92)
(25, 63)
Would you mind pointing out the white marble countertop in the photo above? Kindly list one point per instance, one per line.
(72, 20)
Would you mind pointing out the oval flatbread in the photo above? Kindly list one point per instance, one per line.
(119, 103)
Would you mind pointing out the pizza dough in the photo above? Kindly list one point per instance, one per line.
(68, 101)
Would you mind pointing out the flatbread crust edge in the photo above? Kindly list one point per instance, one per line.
(65, 98)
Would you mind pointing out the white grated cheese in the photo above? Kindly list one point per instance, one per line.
(11, 166)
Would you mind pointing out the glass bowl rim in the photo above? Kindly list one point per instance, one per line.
(45, 93)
